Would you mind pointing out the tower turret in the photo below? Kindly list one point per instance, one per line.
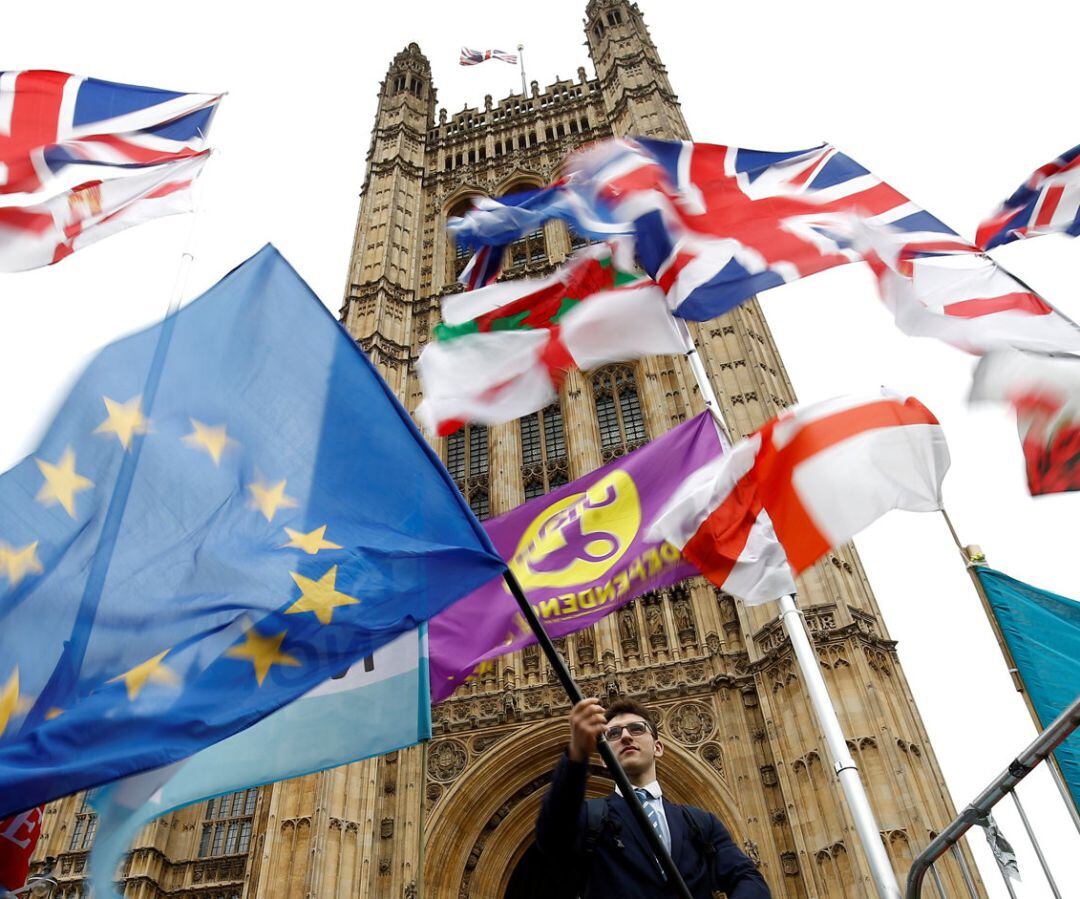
(634, 82)
(383, 275)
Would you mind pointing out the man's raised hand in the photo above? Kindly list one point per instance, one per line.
(586, 725)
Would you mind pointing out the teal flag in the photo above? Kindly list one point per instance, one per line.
(1043, 633)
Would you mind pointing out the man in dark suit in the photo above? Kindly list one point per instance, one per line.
(600, 852)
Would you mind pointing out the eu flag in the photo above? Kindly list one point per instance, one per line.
(228, 509)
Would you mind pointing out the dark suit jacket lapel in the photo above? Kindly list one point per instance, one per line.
(676, 822)
(631, 834)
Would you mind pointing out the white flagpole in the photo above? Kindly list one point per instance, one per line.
(703, 382)
(847, 771)
(187, 257)
(521, 60)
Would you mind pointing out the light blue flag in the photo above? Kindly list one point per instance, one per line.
(380, 704)
(228, 509)
(1042, 630)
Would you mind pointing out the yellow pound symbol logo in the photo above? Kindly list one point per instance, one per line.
(581, 537)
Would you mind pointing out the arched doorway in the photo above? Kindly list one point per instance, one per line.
(529, 878)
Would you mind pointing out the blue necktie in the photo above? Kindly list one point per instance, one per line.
(653, 815)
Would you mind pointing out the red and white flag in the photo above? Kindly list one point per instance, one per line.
(18, 838)
(1044, 391)
(963, 298)
(804, 483)
(43, 234)
(717, 523)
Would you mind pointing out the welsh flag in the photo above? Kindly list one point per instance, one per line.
(503, 351)
(1044, 391)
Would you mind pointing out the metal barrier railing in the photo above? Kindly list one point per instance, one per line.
(979, 809)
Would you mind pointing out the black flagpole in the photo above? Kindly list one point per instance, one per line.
(674, 879)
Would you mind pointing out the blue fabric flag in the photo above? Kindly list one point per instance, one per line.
(382, 703)
(1043, 633)
(229, 508)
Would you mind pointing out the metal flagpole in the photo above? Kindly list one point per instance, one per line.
(187, 256)
(521, 60)
(702, 378)
(675, 881)
(973, 557)
(846, 770)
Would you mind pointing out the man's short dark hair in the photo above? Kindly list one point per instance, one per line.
(626, 706)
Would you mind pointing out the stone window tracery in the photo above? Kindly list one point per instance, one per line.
(577, 241)
(85, 826)
(618, 410)
(528, 250)
(544, 464)
(227, 824)
(462, 255)
(468, 463)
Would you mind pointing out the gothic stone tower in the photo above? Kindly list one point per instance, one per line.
(741, 736)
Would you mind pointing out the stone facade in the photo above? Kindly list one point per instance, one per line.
(455, 819)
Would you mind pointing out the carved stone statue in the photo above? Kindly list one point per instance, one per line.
(684, 618)
(655, 620)
(586, 648)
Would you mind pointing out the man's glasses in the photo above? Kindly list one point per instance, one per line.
(634, 728)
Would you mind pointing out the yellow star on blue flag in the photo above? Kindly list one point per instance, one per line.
(146, 530)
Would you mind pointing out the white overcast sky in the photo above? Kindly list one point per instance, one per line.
(954, 103)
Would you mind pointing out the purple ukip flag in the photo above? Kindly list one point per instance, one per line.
(579, 552)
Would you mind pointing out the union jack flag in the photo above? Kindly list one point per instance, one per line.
(49, 120)
(715, 225)
(475, 57)
(1047, 202)
(963, 298)
(483, 268)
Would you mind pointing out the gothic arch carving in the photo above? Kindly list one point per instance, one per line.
(459, 196)
(484, 822)
(456, 204)
(519, 179)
